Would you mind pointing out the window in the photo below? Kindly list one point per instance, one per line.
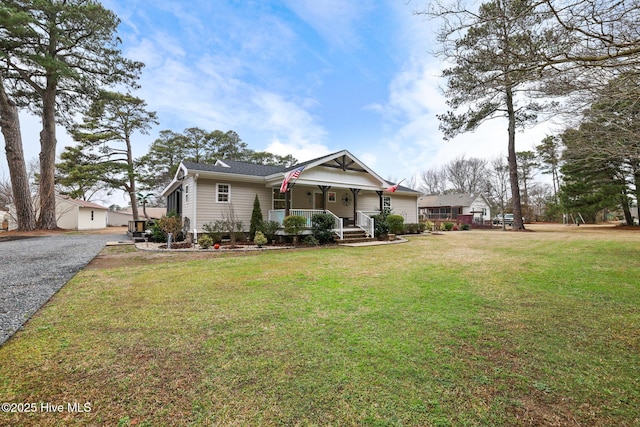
(223, 193)
(386, 202)
(91, 215)
(186, 194)
(278, 199)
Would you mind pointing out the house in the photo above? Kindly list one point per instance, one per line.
(463, 207)
(337, 183)
(74, 214)
(122, 218)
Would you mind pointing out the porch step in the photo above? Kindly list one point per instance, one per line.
(354, 236)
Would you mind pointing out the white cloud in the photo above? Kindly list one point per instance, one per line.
(334, 20)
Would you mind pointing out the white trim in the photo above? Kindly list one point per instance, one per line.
(383, 183)
(218, 193)
(276, 191)
(389, 198)
(195, 201)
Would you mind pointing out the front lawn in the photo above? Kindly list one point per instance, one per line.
(466, 328)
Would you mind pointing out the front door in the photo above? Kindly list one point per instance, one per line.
(317, 200)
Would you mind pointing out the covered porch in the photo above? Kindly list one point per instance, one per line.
(349, 207)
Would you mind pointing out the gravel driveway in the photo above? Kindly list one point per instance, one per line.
(32, 269)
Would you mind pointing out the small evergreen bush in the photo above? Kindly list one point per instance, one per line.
(412, 228)
(380, 225)
(270, 229)
(259, 239)
(396, 224)
(205, 241)
(294, 224)
(322, 227)
(311, 241)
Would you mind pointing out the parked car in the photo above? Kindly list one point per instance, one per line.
(498, 219)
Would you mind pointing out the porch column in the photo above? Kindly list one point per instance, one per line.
(287, 201)
(355, 192)
(380, 193)
(324, 189)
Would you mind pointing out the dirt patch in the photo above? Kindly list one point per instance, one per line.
(536, 413)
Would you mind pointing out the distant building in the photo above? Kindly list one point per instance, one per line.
(73, 214)
(122, 218)
(452, 206)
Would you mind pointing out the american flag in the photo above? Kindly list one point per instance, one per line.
(393, 188)
(290, 176)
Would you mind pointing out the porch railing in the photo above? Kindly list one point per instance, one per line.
(366, 223)
(278, 215)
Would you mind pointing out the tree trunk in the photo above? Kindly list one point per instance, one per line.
(636, 178)
(132, 181)
(624, 202)
(10, 124)
(47, 219)
(513, 164)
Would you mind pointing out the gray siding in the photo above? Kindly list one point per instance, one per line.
(240, 206)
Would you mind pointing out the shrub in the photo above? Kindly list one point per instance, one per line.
(294, 224)
(448, 226)
(259, 239)
(322, 227)
(171, 224)
(396, 224)
(270, 229)
(311, 241)
(205, 241)
(428, 225)
(236, 231)
(156, 234)
(256, 219)
(381, 226)
(465, 227)
(215, 230)
(413, 228)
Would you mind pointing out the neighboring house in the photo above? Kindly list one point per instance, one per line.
(73, 214)
(338, 183)
(455, 207)
(122, 218)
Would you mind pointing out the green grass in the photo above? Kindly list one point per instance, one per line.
(464, 329)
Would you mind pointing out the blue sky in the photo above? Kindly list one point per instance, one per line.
(301, 77)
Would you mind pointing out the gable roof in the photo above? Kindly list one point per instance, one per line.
(235, 167)
(459, 199)
(342, 159)
(82, 203)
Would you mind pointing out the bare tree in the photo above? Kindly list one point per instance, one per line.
(605, 34)
(434, 181)
(499, 183)
(467, 175)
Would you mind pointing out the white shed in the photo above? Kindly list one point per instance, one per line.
(77, 214)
